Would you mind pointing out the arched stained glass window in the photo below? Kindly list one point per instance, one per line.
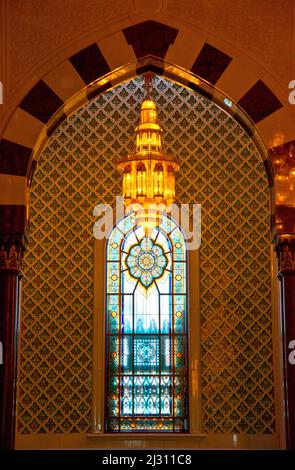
(146, 346)
(146, 329)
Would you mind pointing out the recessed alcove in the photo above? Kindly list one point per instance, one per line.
(221, 169)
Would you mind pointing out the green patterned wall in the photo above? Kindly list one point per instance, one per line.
(220, 169)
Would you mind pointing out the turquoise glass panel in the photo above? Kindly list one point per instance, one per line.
(146, 329)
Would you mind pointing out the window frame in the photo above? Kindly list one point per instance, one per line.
(99, 345)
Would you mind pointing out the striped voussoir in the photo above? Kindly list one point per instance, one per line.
(46, 104)
(90, 63)
(41, 102)
(210, 63)
(150, 38)
(259, 102)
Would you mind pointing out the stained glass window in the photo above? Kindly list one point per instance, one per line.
(146, 347)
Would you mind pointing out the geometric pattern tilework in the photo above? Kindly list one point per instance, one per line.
(220, 169)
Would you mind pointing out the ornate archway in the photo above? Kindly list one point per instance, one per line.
(47, 105)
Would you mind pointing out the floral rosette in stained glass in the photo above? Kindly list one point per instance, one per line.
(146, 261)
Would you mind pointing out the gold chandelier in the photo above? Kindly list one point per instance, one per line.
(148, 173)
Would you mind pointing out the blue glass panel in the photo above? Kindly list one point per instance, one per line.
(126, 224)
(179, 314)
(113, 252)
(179, 253)
(146, 312)
(166, 393)
(163, 241)
(180, 354)
(146, 329)
(113, 277)
(166, 354)
(127, 354)
(166, 316)
(126, 400)
(166, 225)
(127, 314)
(146, 395)
(164, 284)
(146, 354)
(113, 314)
(129, 241)
(113, 397)
(179, 284)
(113, 356)
(180, 392)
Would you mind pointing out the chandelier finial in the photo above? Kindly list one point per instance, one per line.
(148, 173)
(148, 82)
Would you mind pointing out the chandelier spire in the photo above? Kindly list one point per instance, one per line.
(148, 174)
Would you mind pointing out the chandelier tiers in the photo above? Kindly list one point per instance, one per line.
(148, 174)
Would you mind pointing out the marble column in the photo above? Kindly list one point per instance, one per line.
(11, 252)
(285, 247)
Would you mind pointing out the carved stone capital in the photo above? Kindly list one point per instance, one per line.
(285, 248)
(11, 251)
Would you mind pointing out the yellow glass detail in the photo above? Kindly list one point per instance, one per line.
(148, 173)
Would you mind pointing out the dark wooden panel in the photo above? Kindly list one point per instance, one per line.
(12, 219)
(287, 289)
(285, 218)
(211, 63)
(285, 248)
(9, 334)
(41, 102)
(14, 158)
(150, 38)
(90, 63)
(259, 102)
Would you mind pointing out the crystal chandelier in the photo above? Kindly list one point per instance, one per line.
(148, 173)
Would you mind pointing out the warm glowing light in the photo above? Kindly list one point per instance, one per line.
(277, 140)
(148, 174)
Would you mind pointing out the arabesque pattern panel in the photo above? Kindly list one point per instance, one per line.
(220, 169)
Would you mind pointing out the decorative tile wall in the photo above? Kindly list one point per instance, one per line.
(220, 169)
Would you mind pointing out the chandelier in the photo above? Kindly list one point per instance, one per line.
(148, 173)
